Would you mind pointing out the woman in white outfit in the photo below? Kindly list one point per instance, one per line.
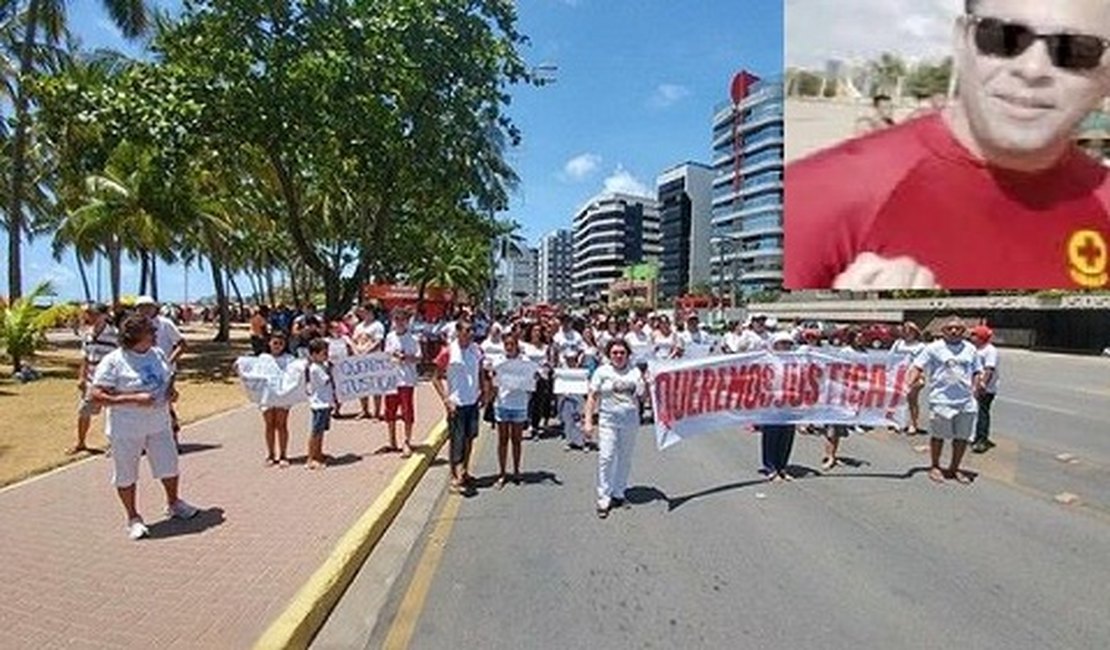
(135, 383)
(910, 345)
(615, 392)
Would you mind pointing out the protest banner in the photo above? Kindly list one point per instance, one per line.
(376, 373)
(835, 386)
(516, 374)
(269, 385)
(571, 381)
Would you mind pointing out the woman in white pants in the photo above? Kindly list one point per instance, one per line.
(615, 392)
(136, 384)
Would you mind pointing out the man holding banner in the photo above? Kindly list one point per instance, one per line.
(954, 371)
(401, 345)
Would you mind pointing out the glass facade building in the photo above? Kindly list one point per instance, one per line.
(612, 231)
(556, 258)
(747, 248)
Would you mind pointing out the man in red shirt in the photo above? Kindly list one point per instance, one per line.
(991, 193)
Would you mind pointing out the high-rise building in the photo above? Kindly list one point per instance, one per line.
(612, 231)
(556, 259)
(517, 277)
(684, 221)
(747, 187)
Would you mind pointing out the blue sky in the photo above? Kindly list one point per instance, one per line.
(635, 88)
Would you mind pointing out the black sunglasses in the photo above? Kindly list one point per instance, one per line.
(1001, 38)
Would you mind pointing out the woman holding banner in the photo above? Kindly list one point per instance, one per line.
(910, 344)
(536, 350)
(510, 409)
(616, 389)
(777, 440)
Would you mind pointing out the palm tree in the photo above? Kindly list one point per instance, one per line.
(48, 18)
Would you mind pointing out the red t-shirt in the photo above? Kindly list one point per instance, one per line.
(914, 191)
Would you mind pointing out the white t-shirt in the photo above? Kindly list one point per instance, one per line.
(950, 369)
(697, 337)
(374, 332)
(166, 335)
(988, 358)
(507, 397)
(494, 351)
(751, 341)
(338, 347)
(911, 349)
(618, 394)
(97, 345)
(404, 344)
(321, 389)
(664, 344)
(568, 344)
(462, 367)
(537, 354)
(127, 372)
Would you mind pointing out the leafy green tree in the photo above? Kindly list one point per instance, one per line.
(23, 325)
(366, 114)
(43, 25)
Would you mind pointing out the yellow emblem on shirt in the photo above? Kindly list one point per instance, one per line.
(1087, 258)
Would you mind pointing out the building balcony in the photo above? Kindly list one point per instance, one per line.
(746, 128)
(727, 172)
(747, 190)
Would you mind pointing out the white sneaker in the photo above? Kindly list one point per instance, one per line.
(181, 510)
(136, 529)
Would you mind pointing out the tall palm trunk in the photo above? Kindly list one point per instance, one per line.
(223, 335)
(84, 276)
(115, 262)
(19, 155)
(144, 272)
(154, 277)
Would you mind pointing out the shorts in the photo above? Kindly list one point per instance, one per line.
(400, 401)
(462, 428)
(161, 453)
(958, 427)
(515, 416)
(837, 431)
(86, 407)
(321, 421)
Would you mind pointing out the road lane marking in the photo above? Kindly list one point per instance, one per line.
(412, 605)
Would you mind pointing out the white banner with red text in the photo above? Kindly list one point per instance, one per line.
(809, 386)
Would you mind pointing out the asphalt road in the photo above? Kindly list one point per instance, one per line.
(871, 555)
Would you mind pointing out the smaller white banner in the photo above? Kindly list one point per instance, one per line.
(516, 374)
(572, 381)
(268, 385)
(377, 373)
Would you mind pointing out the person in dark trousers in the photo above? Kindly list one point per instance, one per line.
(981, 337)
(777, 440)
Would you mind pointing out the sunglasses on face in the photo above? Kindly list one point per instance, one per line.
(1068, 51)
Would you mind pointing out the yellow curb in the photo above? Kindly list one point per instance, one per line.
(308, 610)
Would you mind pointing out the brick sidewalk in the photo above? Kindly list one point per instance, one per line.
(73, 579)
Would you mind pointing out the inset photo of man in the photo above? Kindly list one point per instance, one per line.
(946, 144)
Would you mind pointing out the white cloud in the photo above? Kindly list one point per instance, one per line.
(853, 30)
(622, 180)
(581, 166)
(667, 95)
